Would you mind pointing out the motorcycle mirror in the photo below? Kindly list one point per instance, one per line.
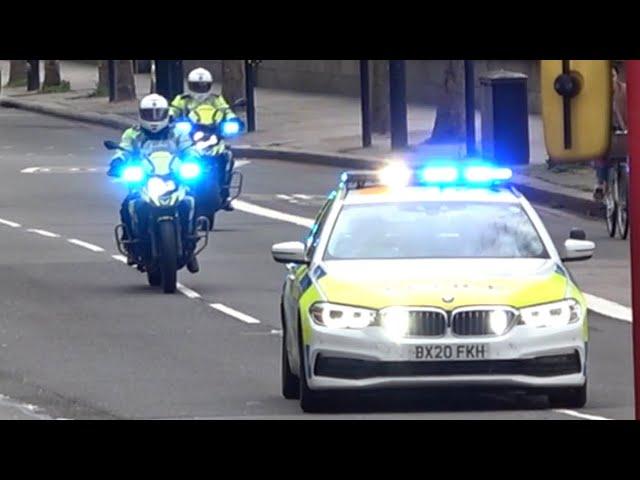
(111, 145)
(241, 102)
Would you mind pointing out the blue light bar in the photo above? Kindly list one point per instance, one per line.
(439, 174)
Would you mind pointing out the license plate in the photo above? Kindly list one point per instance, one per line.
(475, 351)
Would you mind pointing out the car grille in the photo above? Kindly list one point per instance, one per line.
(476, 322)
(427, 323)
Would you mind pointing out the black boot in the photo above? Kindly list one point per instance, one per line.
(192, 265)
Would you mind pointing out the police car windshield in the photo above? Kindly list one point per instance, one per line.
(434, 230)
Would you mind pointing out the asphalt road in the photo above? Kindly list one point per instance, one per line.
(83, 336)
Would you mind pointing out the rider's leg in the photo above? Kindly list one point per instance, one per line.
(187, 215)
(602, 173)
(228, 164)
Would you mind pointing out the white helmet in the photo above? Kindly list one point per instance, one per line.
(199, 83)
(154, 112)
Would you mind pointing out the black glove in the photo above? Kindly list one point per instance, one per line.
(115, 167)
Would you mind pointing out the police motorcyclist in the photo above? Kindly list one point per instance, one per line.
(199, 91)
(154, 131)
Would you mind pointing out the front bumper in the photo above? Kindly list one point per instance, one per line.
(524, 357)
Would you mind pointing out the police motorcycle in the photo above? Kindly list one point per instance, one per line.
(165, 236)
(208, 133)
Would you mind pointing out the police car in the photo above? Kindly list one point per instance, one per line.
(439, 276)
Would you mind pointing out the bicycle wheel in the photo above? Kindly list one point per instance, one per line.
(610, 203)
(622, 197)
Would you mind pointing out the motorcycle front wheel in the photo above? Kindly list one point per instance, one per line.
(168, 256)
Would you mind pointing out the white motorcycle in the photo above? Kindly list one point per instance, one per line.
(164, 237)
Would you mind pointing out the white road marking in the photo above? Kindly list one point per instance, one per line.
(234, 313)
(50, 147)
(44, 233)
(242, 163)
(30, 170)
(74, 169)
(9, 223)
(304, 197)
(8, 147)
(46, 169)
(187, 292)
(581, 415)
(283, 197)
(119, 258)
(88, 246)
(269, 213)
(608, 308)
(26, 408)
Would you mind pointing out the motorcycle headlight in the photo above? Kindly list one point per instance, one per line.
(341, 316)
(133, 174)
(156, 187)
(190, 170)
(551, 314)
(230, 128)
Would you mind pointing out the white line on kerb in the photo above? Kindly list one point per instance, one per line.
(584, 416)
(234, 313)
(9, 223)
(44, 233)
(608, 308)
(187, 292)
(88, 246)
(269, 213)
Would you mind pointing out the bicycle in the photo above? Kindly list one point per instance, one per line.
(617, 190)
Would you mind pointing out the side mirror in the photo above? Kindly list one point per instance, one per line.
(577, 234)
(577, 250)
(111, 145)
(289, 252)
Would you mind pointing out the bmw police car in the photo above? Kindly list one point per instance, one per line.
(433, 277)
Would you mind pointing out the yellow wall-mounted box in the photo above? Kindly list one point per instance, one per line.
(590, 110)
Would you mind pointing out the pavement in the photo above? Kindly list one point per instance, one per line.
(83, 337)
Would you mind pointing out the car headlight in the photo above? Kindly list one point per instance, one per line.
(156, 187)
(395, 321)
(341, 316)
(551, 314)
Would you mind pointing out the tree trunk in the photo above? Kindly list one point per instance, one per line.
(232, 80)
(380, 115)
(103, 76)
(52, 73)
(449, 125)
(17, 72)
(125, 81)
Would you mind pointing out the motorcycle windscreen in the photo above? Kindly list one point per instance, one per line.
(205, 115)
(162, 162)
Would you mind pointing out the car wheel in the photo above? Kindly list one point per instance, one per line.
(310, 400)
(290, 383)
(569, 397)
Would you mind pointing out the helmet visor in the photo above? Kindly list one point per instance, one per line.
(154, 114)
(199, 87)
